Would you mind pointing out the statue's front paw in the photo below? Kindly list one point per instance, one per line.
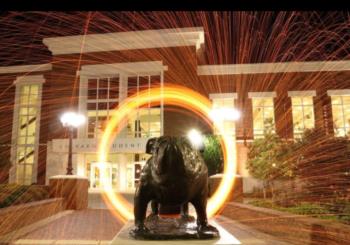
(207, 231)
(139, 231)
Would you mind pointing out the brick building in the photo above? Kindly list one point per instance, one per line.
(93, 73)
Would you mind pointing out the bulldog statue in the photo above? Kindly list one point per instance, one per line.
(175, 174)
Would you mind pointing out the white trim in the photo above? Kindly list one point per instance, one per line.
(309, 66)
(334, 92)
(29, 79)
(25, 68)
(261, 94)
(223, 96)
(305, 93)
(128, 68)
(191, 36)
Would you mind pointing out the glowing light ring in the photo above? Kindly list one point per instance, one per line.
(170, 95)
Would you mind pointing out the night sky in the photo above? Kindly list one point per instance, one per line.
(230, 37)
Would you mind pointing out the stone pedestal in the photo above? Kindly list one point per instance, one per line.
(237, 193)
(226, 238)
(73, 188)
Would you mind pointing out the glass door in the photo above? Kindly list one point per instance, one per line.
(111, 175)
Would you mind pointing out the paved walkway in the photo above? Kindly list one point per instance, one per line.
(98, 226)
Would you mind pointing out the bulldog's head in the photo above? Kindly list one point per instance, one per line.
(166, 154)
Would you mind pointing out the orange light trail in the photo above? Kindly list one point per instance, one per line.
(170, 95)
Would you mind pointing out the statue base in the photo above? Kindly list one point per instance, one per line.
(170, 228)
(123, 237)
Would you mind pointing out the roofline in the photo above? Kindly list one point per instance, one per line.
(278, 67)
(25, 68)
(160, 38)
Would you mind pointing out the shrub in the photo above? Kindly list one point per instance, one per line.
(13, 194)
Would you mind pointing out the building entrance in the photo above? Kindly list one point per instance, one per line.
(112, 175)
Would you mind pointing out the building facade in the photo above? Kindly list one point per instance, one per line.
(92, 74)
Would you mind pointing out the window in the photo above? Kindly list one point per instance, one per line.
(28, 106)
(303, 114)
(263, 115)
(341, 114)
(102, 97)
(224, 101)
(145, 121)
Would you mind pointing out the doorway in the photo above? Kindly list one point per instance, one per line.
(112, 175)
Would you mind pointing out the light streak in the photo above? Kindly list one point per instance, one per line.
(171, 95)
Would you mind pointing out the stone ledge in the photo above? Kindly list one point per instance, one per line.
(18, 216)
(29, 205)
(68, 177)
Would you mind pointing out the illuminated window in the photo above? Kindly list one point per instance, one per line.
(226, 101)
(102, 97)
(341, 114)
(263, 115)
(303, 114)
(145, 121)
(28, 109)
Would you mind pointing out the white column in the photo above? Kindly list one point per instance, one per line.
(123, 94)
(82, 108)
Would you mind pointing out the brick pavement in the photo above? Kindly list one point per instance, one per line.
(98, 226)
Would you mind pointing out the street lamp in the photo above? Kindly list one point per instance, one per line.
(196, 138)
(71, 120)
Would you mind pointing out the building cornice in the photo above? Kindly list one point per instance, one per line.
(304, 93)
(280, 67)
(25, 68)
(223, 96)
(262, 94)
(131, 68)
(30, 79)
(337, 92)
(192, 36)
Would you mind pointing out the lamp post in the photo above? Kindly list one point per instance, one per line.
(71, 120)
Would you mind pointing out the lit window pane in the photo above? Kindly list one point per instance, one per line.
(346, 100)
(338, 118)
(268, 113)
(29, 171)
(23, 111)
(33, 99)
(23, 99)
(25, 89)
(263, 115)
(30, 140)
(31, 129)
(303, 115)
(218, 103)
(32, 110)
(307, 101)
(336, 100)
(21, 140)
(20, 171)
(297, 117)
(296, 101)
(268, 101)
